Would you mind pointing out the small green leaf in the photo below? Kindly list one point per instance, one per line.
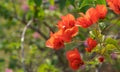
(102, 25)
(92, 34)
(111, 41)
(100, 2)
(91, 62)
(110, 47)
(39, 13)
(84, 3)
(83, 9)
(103, 50)
(46, 68)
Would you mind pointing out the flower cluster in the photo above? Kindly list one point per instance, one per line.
(68, 28)
(92, 16)
(114, 5)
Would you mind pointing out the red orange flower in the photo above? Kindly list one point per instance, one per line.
(88, 19)
(102, 11)
(67, 21)
(74, 59)
(91, 43)
(114, 5)
(69, 33)
(83, 22)
(92, 15)
(55, 41)
(67, 24)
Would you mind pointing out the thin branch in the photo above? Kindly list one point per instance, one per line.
(50, 28)
(35, 29)
(111, 25)
(22, 45)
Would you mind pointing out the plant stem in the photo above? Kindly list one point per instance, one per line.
(22, 45)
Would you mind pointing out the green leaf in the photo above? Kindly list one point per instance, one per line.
(102, 25)
(100, 2)
(39, 13)
(92, 34)
(5, 12)
(84, 3)
(38, 2)
(110, 47)
(97, 35)
(84, 9)
(103, 50)
(111, 41)
(46, 68)
(91, 62)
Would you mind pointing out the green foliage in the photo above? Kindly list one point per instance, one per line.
(38, 2)
(62, 4)
(100, 2)
(111, 41)
(5, 12)
(46, 68)
(102, 25)
(84, 3)
(110, 47)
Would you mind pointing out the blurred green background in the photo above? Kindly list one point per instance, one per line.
(15, 14)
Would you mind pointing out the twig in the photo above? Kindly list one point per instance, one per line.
(50, 28)
(35, 29)
(22, 45)
(111, 25)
